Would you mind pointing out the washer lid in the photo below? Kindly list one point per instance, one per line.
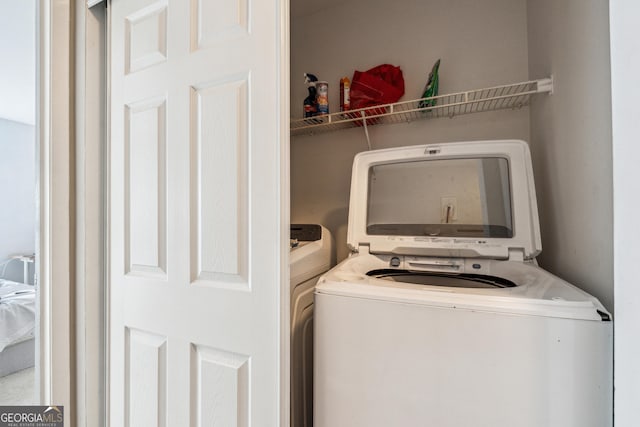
(465, 199)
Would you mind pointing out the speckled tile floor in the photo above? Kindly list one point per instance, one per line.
(18, 388)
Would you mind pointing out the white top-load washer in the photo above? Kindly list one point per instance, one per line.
(441, 316)
(310, 256)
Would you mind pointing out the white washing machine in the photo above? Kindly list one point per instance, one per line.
(441, 316)
(310, 257)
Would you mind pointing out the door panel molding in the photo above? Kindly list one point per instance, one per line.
(220, 387)
(220, 151)
(146, 360)
(145, 139)
(146, 37)
(216, 22)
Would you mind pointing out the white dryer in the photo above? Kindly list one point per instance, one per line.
(310, 256)
(441, 316)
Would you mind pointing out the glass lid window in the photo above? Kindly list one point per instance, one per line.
(450, 198)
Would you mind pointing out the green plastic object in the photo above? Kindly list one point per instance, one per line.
(431, 88)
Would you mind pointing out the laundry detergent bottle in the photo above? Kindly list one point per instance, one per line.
(311, 101)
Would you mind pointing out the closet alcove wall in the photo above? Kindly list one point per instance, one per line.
(481, 43)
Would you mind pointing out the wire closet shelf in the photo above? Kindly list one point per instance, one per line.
(512, 96)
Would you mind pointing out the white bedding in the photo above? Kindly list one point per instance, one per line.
(17, 312)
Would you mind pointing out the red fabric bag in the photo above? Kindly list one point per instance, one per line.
(383, 84)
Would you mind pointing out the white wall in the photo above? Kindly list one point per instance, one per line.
(480, 43)
(17, 193)
(571, 141)
(625, 69)
(18, 53)
(17, 134)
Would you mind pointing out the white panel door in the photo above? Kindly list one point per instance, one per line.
(195, 213)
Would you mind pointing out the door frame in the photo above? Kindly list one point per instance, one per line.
(54, 358)
(284, 69)
(71, 132)
(91, 218)
(623, 18)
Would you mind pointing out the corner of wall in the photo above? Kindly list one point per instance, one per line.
(571, 141)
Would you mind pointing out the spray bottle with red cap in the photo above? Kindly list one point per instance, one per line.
(311, 101)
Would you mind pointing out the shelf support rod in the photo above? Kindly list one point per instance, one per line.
(366, 130)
